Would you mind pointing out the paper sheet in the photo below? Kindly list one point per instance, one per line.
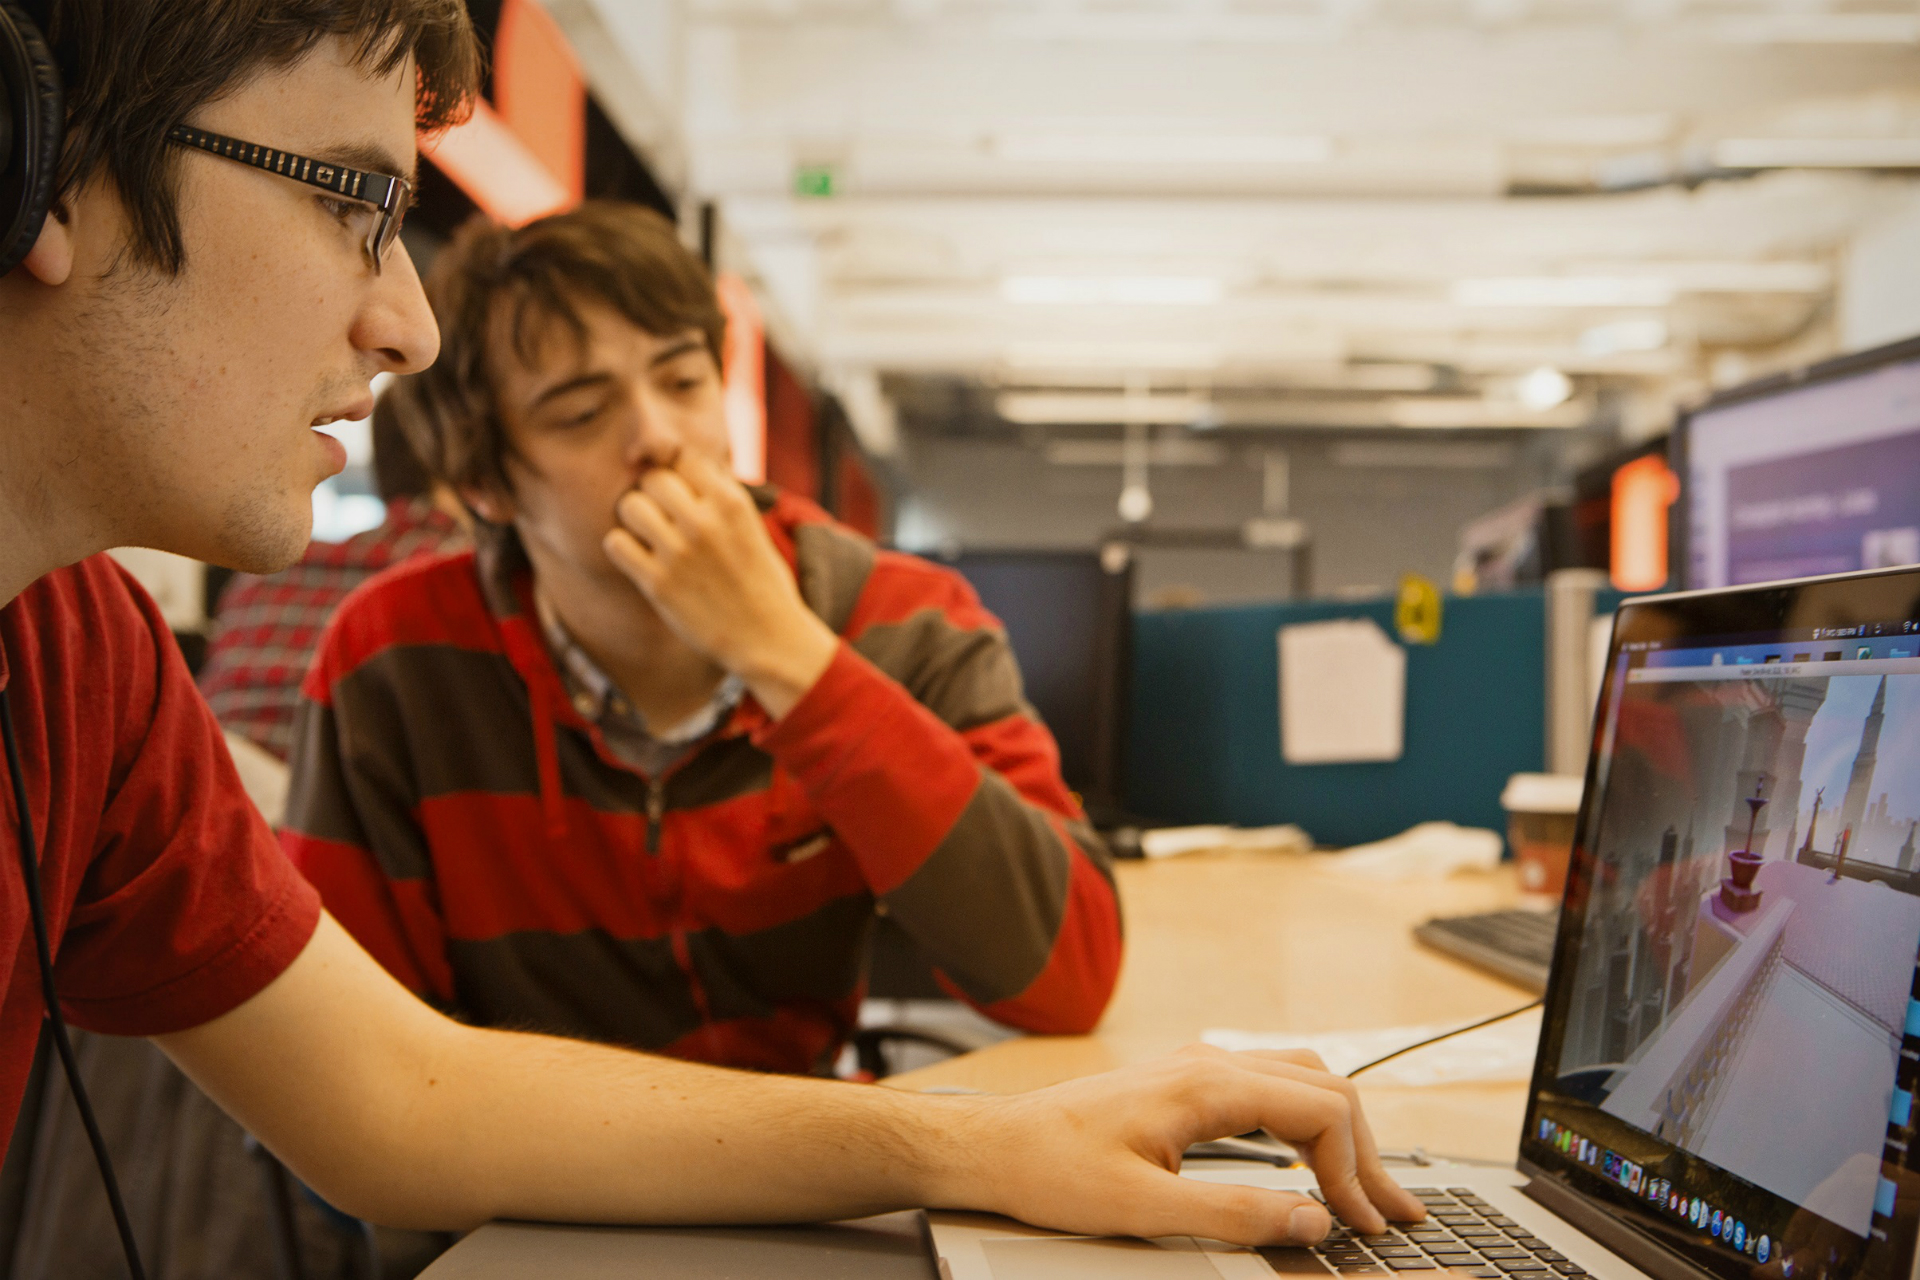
(1499, 1054)
(1171, 842)
(1343, 693)
(1425, 851)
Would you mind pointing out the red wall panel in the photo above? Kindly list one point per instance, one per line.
(793, 437)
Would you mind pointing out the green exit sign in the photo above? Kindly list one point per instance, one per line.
(813, 180)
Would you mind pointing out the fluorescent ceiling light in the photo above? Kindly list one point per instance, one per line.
(1564, 291)
(1186, 291)
(1472, 411)
(1622, 336)
(1393, 453)
(1046, 408)
(1721, 276)
(1176, 452)
(1544, 388)
(1817, 153)
(1819, 28)
(1113, 355)
(1164, 149)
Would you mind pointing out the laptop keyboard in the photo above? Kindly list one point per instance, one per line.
(1461, 1233)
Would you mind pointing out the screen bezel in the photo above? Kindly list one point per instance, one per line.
(1871, 596)
(1679, 524)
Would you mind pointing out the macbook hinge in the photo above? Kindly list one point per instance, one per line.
(1632, 1244)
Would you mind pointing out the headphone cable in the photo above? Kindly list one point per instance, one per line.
(1444, 1035)
(56, 1025)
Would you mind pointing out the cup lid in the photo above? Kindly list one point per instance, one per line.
(1542, 793)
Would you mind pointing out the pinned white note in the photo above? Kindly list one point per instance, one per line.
(1343, 693)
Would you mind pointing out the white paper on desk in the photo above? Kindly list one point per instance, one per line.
(1499, 1054)
(1343, 692)
(1427, 850)
(1171, 842)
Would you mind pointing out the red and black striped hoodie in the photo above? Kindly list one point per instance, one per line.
(479, 838)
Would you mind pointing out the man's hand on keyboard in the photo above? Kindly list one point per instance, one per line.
(1101, 1156)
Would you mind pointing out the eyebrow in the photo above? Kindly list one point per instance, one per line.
(571, 384)
(672, 351)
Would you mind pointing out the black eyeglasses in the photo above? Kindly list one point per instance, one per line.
(381, 198)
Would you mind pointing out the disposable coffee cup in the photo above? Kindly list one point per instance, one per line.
(1541, 811)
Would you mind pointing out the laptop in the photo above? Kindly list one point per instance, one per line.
(1731, 1041)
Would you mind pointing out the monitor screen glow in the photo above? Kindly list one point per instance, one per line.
(1822, 478)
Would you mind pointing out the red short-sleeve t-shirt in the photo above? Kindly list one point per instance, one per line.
(168, 898)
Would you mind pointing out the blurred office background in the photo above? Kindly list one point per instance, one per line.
(1270, 303)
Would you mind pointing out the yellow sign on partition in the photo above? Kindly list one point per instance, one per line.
(1416, 610)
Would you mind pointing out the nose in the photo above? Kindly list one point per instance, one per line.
(395, 325)
(654, 439)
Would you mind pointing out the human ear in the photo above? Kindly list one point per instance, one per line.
(50, 261)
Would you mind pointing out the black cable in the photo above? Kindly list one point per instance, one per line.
(30, 872)
(1444, 1035)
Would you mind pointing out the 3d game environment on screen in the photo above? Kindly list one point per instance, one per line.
(1751, 935)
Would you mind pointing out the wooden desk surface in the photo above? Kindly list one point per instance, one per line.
(1266, 942)
(1254, 941)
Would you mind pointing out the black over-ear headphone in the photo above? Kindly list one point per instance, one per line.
(33, 119)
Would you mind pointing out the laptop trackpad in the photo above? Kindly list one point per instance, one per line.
(1083, 1259)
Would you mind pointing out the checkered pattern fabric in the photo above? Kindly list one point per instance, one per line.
(268, 627)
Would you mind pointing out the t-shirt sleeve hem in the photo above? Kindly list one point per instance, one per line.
(227, 980)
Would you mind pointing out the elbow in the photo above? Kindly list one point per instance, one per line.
(1053, 1018)
(390, 1191)
(1078, 1021)
(400, 1166)
(1068, 998)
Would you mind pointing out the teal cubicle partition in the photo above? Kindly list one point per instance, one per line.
(1204, 734)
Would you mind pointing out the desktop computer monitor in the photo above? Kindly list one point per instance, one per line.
(1068, 616)
(1808, 473)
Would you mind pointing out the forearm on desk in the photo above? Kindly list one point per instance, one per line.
(401, 1116)
(398, 1115)
(527, 1127)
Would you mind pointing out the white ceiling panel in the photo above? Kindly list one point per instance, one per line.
(1057, 193)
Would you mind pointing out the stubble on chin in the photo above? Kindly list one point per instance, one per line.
(264, 532)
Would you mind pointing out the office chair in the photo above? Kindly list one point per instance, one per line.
(898, 970)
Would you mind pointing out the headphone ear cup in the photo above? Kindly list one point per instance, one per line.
(33, 119)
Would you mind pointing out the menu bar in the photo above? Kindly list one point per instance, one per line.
(1777, 669)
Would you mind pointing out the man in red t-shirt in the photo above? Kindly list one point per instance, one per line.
(210, 285)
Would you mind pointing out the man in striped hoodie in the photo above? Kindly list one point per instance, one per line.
(645, 766)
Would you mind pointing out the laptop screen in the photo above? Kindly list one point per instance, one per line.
(1732, 1038)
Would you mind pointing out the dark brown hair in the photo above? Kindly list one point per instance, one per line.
(135, 68)
(397, 472)
(493, 280)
